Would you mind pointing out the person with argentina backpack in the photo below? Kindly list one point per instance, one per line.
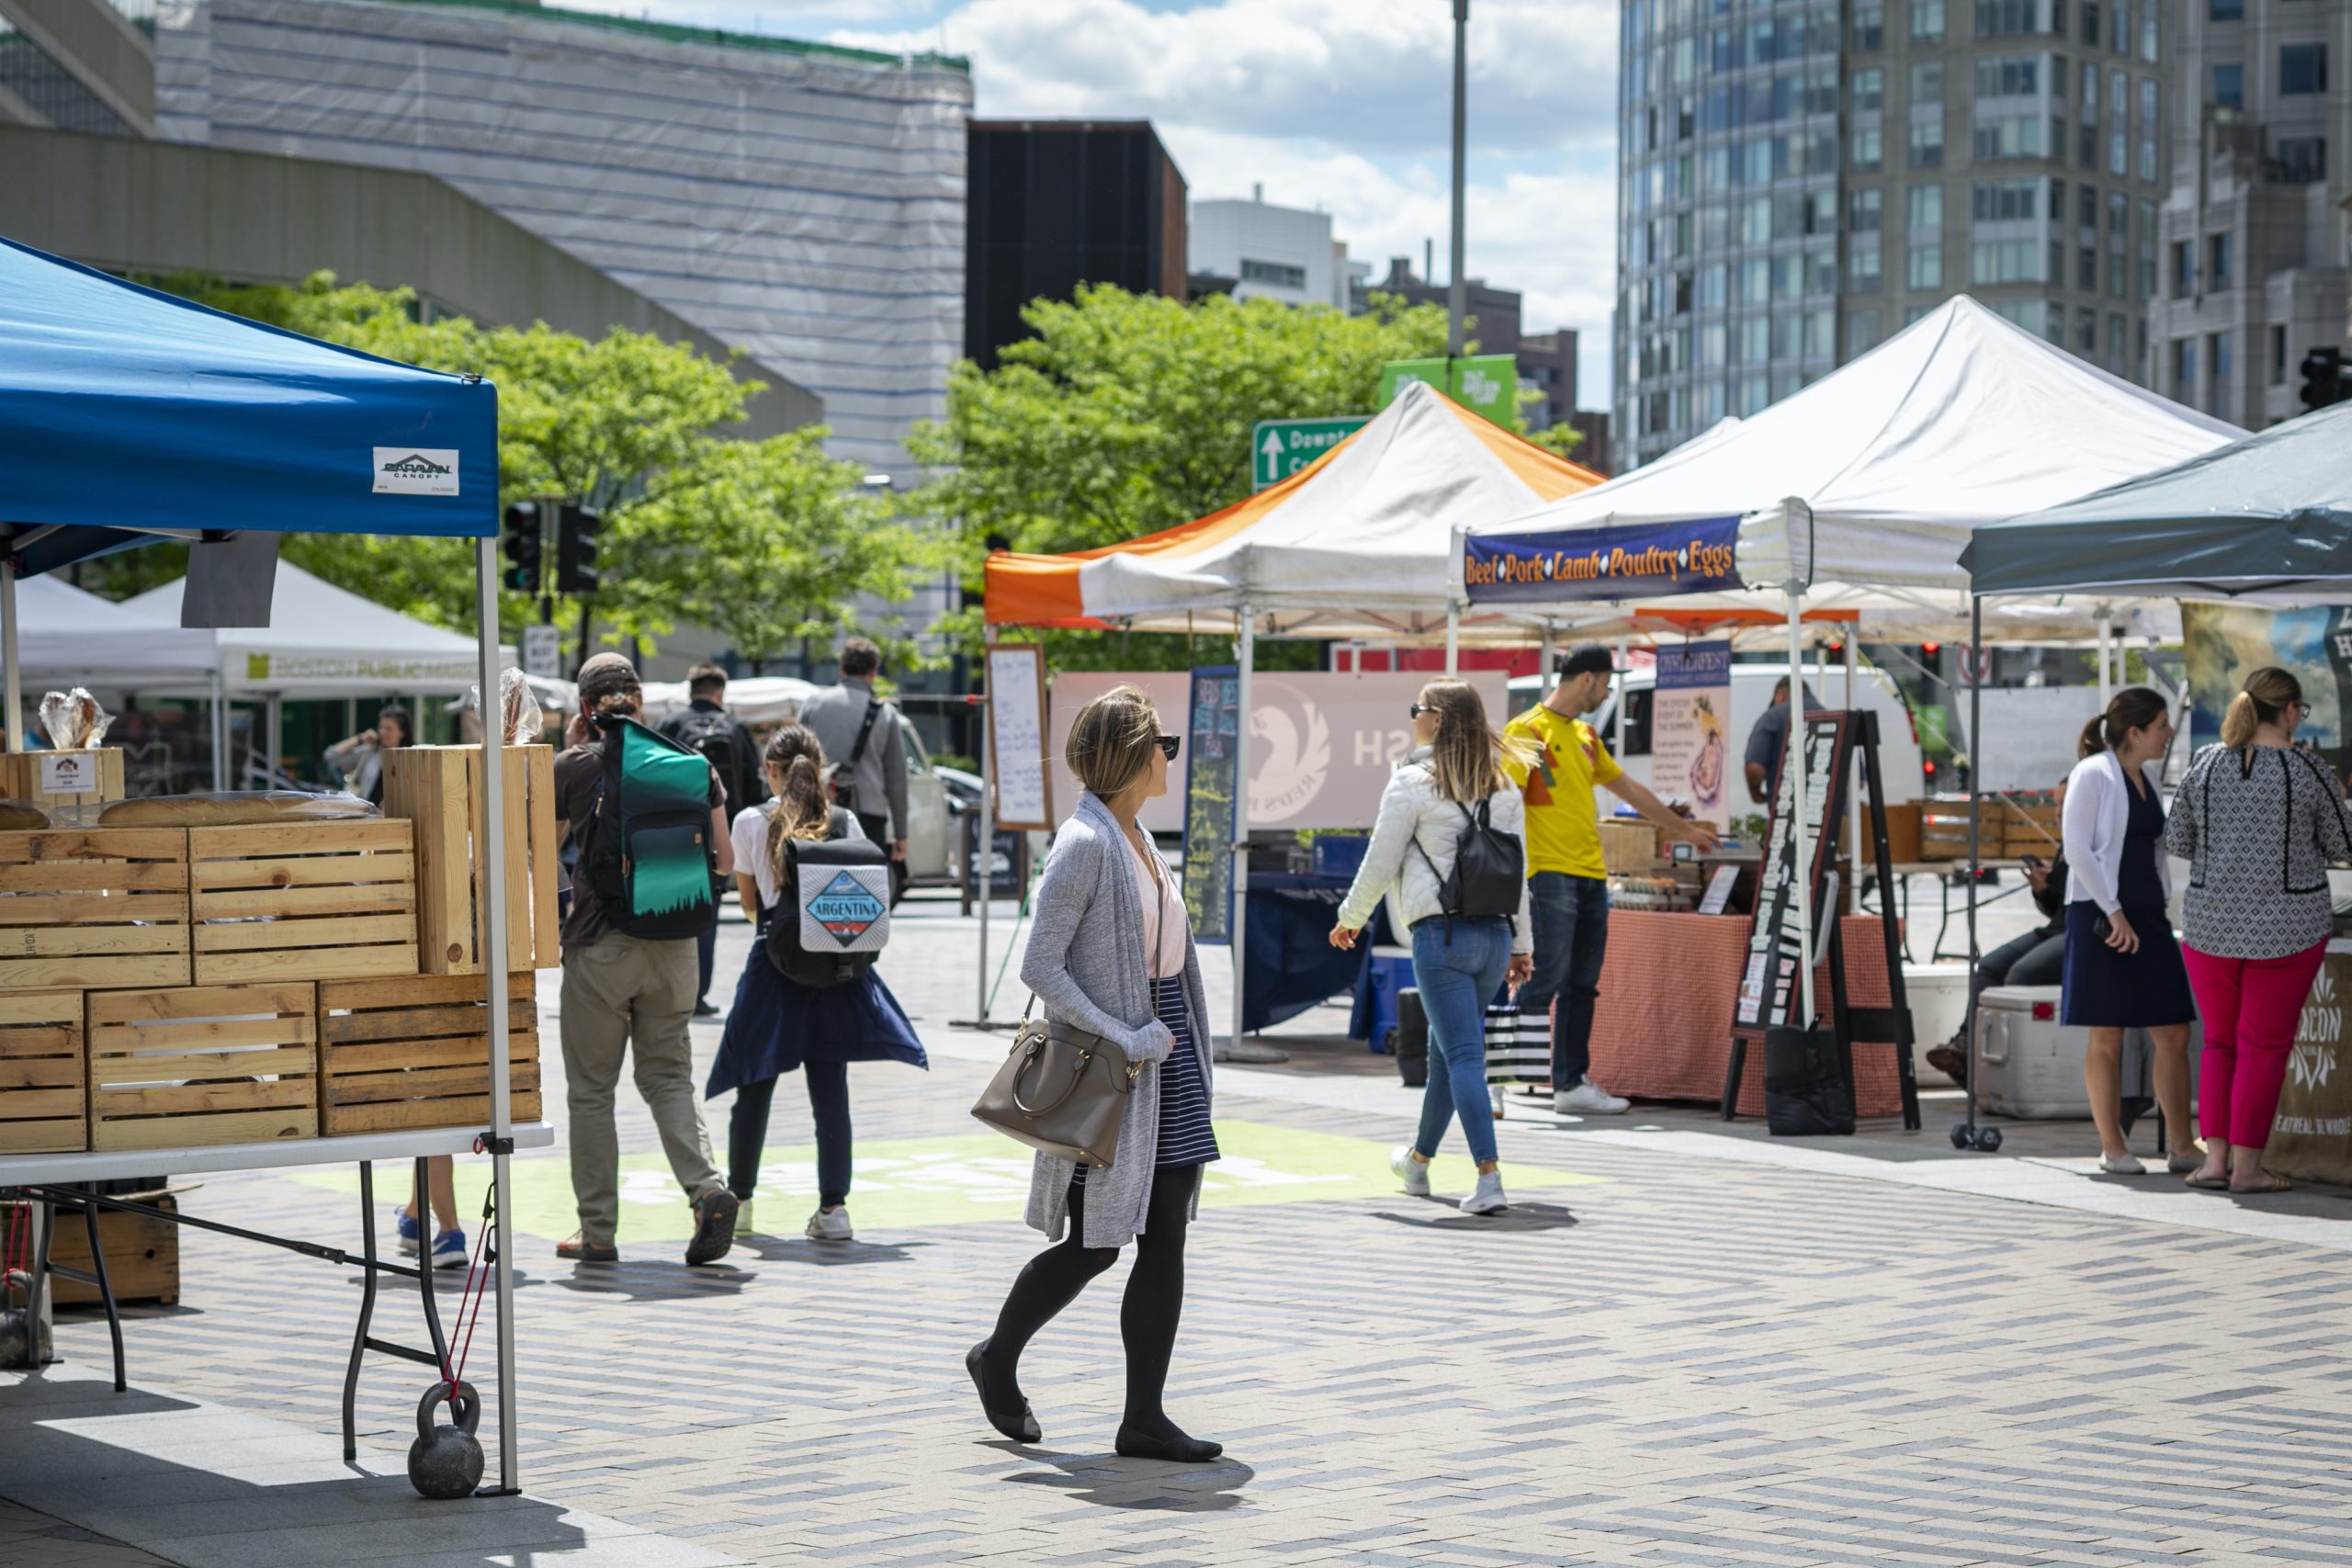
(650, 818)
(817, 890)
(1448, 851)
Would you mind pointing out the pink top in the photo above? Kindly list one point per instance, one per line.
(1164, 921)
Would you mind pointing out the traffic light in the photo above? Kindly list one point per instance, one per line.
(2324, 382)
(523, 546)
(575, 550)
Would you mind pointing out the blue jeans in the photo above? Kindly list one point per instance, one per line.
(1571, 915)
(747, 1131)
(1455, 978)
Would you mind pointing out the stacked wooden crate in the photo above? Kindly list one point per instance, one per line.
(2008, 826)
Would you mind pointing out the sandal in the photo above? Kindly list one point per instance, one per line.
(2273, 1184)
(578, 1248)
(2209, 1183)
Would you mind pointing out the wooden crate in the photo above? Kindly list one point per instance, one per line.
(20, 777)
(41, 1108)
(203, 1065)
(400, 1053)
(302, 901)
(94, 909)
(438, 789)
(142, 1256)
(1628, 846)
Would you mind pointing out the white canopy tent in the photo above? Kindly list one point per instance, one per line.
(1861, 490)
(321, 642)
(68, 637)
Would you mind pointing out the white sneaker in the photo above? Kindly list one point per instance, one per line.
(1413, 1173)
(1500, 1101)
(744, 1226)
(1589, 1098)
(830, 1226)
(1489, 1196)
(2125, 1164)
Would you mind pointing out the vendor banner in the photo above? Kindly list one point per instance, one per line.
(1633, 561)
(1689, 754)
(2224, 643)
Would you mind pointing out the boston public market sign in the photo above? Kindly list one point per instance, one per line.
(1628, 561)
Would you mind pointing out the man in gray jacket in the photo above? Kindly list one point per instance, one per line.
(870, 777)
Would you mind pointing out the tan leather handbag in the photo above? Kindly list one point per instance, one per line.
(1062, 1089)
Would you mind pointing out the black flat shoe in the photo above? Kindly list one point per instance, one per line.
(1020, 1426)
(1179, 1450)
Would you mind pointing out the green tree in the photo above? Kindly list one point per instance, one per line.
(1128, 413)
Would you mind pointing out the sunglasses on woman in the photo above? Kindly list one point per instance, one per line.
(1419, 709)
(1167, 744)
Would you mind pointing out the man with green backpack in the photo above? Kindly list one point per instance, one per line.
(650, 818)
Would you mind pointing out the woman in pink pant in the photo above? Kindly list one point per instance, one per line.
(2259, 819)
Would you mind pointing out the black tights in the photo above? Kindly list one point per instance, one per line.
(1147, 1314)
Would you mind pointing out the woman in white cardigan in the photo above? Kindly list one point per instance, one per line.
(2123, 968)
(1459, 961)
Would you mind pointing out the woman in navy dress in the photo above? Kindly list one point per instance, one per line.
(776, 1025)
(2123, 967)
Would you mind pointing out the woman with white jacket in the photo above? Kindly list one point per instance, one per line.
(2122, 968)
(1459, 961)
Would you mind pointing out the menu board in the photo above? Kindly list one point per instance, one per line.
(1017, 772)
(1213, 736)
(1770, 988)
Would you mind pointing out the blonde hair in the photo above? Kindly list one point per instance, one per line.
(1112, 739)
(800, 811)
(2264, 698)
(1468, 755)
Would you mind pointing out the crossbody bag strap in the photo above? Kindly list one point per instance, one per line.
(865, 732)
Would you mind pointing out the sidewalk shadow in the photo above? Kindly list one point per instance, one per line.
(1519, 1219)
(1144, 1485)
(828, 1254)
(650, 1282)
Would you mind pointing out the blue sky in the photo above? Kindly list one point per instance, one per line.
(1337, 104)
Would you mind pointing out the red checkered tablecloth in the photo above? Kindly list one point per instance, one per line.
(1663, 1027)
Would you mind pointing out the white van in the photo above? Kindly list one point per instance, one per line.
(1900, 764)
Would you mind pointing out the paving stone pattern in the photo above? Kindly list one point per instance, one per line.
(1694, 1363)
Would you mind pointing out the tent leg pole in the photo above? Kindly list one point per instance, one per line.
(494, 943)
(494, 963)
(2104, 693)
(1245, 657)
(1859, 836)
(220, 732)
(1975, 768)
(1617, 710)
(1543, 657)
(13, 674)
(1794, 774)
(276, 711)
(1453, 639)
(984, 871)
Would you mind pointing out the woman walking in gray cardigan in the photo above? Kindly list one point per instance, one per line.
(1109, 951)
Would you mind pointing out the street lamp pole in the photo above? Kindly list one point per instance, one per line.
(1457, 291)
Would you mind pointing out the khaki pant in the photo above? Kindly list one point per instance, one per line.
(618, 991)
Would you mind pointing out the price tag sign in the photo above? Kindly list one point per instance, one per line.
(68, 772)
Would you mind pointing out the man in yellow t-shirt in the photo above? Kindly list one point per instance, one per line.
(1567, 882)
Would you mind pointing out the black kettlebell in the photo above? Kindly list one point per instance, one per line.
(445, 1462)
(19, 1325)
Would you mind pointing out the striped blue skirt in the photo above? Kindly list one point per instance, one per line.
(1186, 1136)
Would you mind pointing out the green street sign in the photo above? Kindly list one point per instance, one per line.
(1280, 447)
(1485, 384)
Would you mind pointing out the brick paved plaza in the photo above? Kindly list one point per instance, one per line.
(1678, 1347)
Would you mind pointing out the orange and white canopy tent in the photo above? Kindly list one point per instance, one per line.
(1358, 545)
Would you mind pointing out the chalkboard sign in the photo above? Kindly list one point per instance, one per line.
(1770, 988)
(1211, 775)
(1017, 770)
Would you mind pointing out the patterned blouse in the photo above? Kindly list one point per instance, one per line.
(2257, 825)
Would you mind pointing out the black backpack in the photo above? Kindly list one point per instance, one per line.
(1489, 870)
(713, 735)
(649, 858)
(830, 936)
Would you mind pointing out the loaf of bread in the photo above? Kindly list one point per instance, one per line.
(255, 808)
(17, 816)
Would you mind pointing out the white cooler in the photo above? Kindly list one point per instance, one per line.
(2029, 1065)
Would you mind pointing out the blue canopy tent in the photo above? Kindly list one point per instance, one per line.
(128, 415)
